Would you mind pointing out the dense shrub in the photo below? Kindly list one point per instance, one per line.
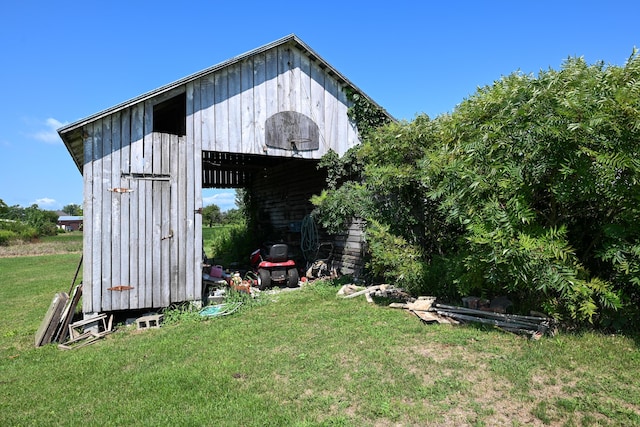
(6, 236)
(16, 230)
(529, 188)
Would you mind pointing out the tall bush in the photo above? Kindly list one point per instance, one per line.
(529, 188)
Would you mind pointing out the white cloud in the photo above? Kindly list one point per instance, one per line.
(224, 199)
(49, 134)
(45, 202)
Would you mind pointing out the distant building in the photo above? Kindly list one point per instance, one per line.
(70, 223)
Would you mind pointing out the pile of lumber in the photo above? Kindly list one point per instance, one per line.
(426, 309)
(57, 325)
(532, 326)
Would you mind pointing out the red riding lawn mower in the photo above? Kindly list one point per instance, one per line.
(273, 266)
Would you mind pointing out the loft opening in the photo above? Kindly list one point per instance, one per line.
(170, 116)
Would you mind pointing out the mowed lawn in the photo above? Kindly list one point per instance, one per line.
(302, 358)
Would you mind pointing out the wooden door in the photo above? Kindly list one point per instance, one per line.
(154, 225)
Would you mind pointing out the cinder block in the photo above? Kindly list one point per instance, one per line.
(150, 321)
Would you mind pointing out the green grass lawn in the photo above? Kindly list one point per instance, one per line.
(302, 358)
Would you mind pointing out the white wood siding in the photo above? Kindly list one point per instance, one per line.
(246, 94)
(147, 236)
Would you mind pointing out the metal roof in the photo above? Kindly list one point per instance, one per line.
(71, 133)
(69, 218)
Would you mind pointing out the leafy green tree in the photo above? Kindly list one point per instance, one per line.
(211, 215)
(232, 216)
(73, 210)
(16, 213)
(45, 222)
(3, 208)
(241, 197)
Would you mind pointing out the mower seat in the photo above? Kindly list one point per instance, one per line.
(278, 253)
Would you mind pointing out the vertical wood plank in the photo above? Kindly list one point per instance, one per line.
(190, 196)
(156, 228)
(318, 104)
(147, 213)
(342, 119)
(271, 94)
(305, 93)
(135, 217)
(165, 263)
(221, 112)
(294, 80)
(248, 106)
(116, 203)
(96, 256)
(305, 86)
(87, 223)
(125, 203)
(196, 158)
(284, 78)
(259, 102)
(106, 236)
(208, 117)
(235, 110)
(178, 230)
(330, 110)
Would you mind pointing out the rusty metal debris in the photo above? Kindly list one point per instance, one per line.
(120, 288)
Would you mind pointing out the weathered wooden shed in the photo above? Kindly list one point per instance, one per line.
(259, 121)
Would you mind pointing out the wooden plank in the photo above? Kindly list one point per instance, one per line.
(284, 78)
(147, 213)
(174, 218)
(207, 88)
(248, 107)
(342, 123)
(125, 203)
(87, 223)
(305, 94)
(116, 214)
(294, 80)
(317, 104)
(96, 256)
(190, 207)
(196, 180)
(331, 111)
(259, 101)
(147, 160)
(135, 199)
(51, 319)
(106, 235)
(68, 313)
(165, 264)
(235, 109)
(156, 231)
(221, 112)
(181, 202)
(271, 93)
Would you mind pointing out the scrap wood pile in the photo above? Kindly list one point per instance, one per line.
(483, 312)
(57, 325)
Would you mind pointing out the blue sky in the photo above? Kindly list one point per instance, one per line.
(63, 61)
